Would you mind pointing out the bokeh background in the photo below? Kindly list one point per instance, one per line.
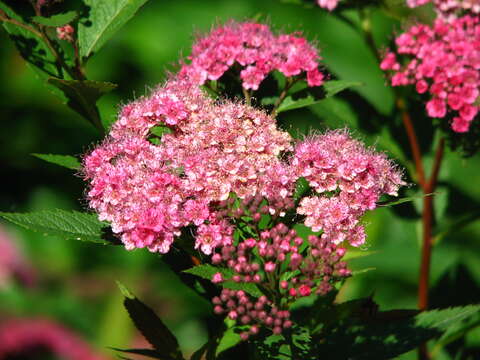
(75, 281)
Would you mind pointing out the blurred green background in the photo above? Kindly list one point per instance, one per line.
(77, 280)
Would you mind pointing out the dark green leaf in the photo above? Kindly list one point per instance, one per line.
(301, 188)
(56, 20)
(307, 97)
(230, 338)
(104, 20)
(153, 329)
(66, 224)
(385, 335)
(31, 46)
(68, 161)
(144, 352)
(82, 96)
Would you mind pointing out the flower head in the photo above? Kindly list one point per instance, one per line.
(443, 62)
(254, 51)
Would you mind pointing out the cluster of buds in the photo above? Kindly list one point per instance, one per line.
(66, 33)
(239, 306)
(279, 262)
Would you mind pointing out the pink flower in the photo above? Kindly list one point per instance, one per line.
(217, 278)
(442, 61)
(450, 9)
(328, 4)
(256, 51)
(66, 33)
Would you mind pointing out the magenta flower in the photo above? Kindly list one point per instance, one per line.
(328, 4)
(442, 61)
(450, 9)
(254, 51)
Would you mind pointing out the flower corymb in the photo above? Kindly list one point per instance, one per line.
(442, 61)
(254, 51)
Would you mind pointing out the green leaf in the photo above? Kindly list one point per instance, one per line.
(66, 224)
(144, 352)
(31, 46)
(105, 18)
(307, 97)
(230, 338)
(404, 200)
(206, 271)
(68, 161)
(362, 271)
(301, 188)
(56, 20)
(335, 86)
(82, 96)
(153, 329)
(160, 130)
(385, 335)
(124, 290)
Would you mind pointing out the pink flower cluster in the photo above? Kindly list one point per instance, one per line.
(18, 336)
(443, 61)
(348, 180)
(450, 9)
(328, 4)
(149, 192)
(254, 51)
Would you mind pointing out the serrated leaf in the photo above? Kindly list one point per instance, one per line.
(31, 46)
(105, 18)
(153, 329)
(68, 161)
(385, 335)
(206, 271)
(83, 95)
(56, 20)
(306, 97)
(67, 224)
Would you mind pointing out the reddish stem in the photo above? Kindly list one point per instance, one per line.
(428, 187)
(414, 144)
(427, 223)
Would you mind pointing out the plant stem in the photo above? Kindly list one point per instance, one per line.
(247, 96)
(288, 84)
(414, 144)
(427, 223)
